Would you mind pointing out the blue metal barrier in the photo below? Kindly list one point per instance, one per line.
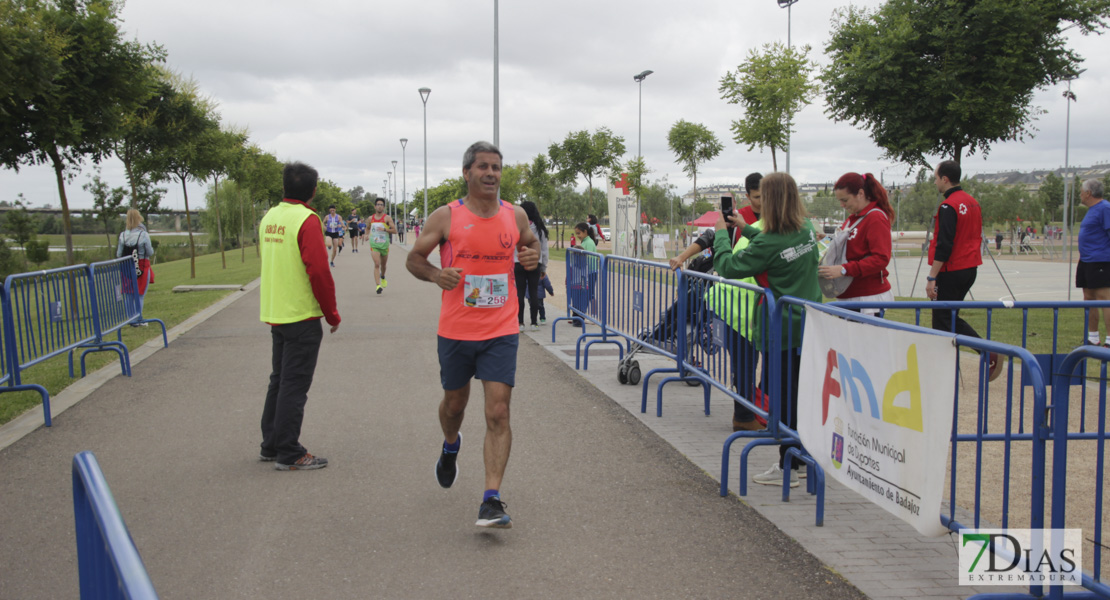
(646, 306)
(1062, 437)
(586, 302)
(108, 564)
(9, 365)
(116, 302)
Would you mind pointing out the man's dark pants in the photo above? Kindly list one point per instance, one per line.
(953, 286)
(296, 347)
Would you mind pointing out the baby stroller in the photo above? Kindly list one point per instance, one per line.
(664, 335)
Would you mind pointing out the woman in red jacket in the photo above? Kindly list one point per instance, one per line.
(869, 245)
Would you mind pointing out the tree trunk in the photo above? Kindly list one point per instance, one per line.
(219, 226)
(60, 176)
(189, 226)
(254, 221)
(131, 180)
(242, 228)
(774, 160)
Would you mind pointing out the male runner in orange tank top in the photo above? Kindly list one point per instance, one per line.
(478, 331)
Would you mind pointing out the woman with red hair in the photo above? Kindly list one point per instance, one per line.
(869, 245)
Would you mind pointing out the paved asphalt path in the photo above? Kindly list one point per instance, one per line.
(602, 507)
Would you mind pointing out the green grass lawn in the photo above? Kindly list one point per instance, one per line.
(161, 303)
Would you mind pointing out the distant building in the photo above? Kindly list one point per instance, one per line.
(1032, 181)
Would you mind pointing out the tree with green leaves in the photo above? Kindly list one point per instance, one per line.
(19, 224)
(222, 150)
(1051, 195)
(513, 186)
(139, 135)
(692, 144)
(180, 152)
(952, 77)
(77, 107)
(107, 203)
(259, 175)
(771, 86)
(586, 155)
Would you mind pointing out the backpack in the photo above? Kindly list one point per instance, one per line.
(132, 250)
(837, 254)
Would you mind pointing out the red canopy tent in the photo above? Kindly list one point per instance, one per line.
(709, 219)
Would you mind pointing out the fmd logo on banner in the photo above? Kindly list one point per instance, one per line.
(1021, 556)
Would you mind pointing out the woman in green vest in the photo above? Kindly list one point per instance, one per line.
(786, 249)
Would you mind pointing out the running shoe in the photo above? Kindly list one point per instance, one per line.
(543, 321)
(773, 476)
(492, 514)
(333, 264)
(262, 456)
(304, 463)
(379, 289)
(522, 326)
(384, 283)
(534, 327)
(447, 470)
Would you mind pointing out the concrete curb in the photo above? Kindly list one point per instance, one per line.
(31, 420)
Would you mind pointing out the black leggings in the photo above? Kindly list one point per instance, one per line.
(531, 279)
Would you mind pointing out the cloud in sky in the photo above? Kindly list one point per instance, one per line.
(335, 84)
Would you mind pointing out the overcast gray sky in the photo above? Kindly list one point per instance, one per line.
(334, 83)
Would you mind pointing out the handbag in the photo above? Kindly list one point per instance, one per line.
(837, 254)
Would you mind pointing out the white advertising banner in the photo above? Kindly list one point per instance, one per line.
(659, 245)
(875, 411)
(622, 216)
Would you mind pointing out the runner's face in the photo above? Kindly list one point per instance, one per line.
(483, 178)
(379, 207)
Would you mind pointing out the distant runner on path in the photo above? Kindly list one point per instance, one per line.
(333, 225)
(478, 333)
(297, 290)
(381, 225)
(352, 230)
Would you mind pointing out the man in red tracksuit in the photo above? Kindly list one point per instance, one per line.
(954, 253)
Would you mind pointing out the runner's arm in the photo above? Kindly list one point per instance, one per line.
(528, 241)
(433, 233)
(389, 226)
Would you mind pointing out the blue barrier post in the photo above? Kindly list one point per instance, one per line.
(9, 363)
(108, 564)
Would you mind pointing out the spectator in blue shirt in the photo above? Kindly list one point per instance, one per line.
(1093, 272)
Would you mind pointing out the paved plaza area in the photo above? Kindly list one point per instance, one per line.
(606, 502)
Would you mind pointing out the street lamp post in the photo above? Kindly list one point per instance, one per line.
(394, 204)
(389, 192)
(639, 79)
(404, 182)
(789, 46)
(424, 93)
(496, 116)
(1069, 97)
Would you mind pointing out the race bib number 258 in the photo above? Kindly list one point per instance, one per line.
(486, 291)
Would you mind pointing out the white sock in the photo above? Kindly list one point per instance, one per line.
(1092, 336)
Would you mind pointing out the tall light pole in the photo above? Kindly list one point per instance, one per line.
(496, 92)
(639, 79)
(424, 93)
(385, 186)
(1069, 97)
(393, 205)
(404, 182)
(389, 192)
(789, 46)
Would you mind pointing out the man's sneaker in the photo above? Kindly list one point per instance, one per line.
(304, 463)
(492, 514)
(333, 264)
(447, 469)
(379, 289)
(267, 457)
(773, 476)
(522, 326)
(535, 327)
(997, 364)
(543, 321)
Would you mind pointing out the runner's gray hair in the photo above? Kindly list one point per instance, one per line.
(1093, 187)
(472, 152)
